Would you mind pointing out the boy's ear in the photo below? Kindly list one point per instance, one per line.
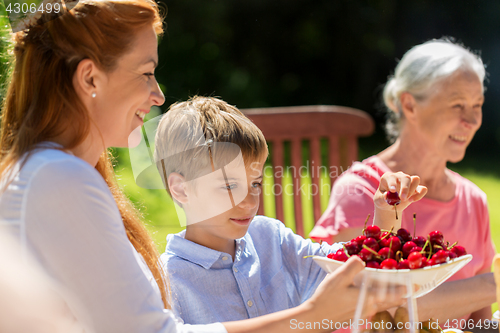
(176, 185)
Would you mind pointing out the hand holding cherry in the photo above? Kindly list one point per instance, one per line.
(396, 191)
(398, 188)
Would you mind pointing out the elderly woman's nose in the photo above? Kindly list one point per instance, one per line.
(471, 118)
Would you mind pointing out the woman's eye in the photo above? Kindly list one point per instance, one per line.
(257, 185)
(149, 74)
(230, 186)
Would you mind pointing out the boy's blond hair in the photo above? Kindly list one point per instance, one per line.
(189, 136)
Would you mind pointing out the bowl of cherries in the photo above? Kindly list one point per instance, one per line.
(396, 257)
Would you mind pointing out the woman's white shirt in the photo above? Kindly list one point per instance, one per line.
(64, 215)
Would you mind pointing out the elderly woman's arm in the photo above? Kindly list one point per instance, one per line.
(456, 299)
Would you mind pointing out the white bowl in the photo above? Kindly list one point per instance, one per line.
(424, 279)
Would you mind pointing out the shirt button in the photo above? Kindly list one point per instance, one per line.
(250, 303)
(235, 270)
(224, 258)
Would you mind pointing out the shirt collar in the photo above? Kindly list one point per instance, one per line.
(179, 246)
(241, 243)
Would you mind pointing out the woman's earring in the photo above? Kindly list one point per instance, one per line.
(94, 95)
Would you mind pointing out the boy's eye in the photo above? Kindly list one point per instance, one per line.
(149, 74)
(230, 186)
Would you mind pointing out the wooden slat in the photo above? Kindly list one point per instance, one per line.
(297, 201)
(306, 120)
(277, 160)
(333, 158)
(315, 152)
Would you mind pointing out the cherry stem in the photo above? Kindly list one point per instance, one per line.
(304, 257)
(387, 235)
(399, 256)
(396, 210)
(414, 225)
(452, 245)
(371, 250)
(430, 249)
(366, 221)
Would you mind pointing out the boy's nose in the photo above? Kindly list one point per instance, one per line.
(251, 201)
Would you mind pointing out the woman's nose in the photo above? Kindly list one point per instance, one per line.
(157, 95)
(472, 118)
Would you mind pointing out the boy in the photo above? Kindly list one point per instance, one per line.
(229, 264)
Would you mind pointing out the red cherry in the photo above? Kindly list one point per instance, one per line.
(424, 262)
(395, 244)
(372, 243)
(373, 264)
(366, 255)
(386, 253)
(384, 242)
(436, 237)
(392, 198)
(373, 231)
(459, 250)
(403, 264)
(407, 247)
(359, 239)
(389, 264)
(352, 248)
(404, 234)
(431, 262)
(340, 255)
(452, 255)
(415, 260)
(419, 241)
(441, 256)
(386, 234)
(416, 249)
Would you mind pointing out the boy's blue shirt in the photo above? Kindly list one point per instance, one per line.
(268, 274)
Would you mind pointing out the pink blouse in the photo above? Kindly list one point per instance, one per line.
(464, 219)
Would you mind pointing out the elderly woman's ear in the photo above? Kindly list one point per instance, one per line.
(408, 105)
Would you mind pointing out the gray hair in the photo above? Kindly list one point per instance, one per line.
(420, 69)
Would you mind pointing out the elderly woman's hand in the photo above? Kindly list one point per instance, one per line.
(408, 189)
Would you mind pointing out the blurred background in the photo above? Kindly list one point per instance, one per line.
(283, 53)
(335, 52)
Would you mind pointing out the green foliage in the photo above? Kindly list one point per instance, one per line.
(5, 49)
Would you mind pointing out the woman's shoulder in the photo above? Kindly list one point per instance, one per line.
(467, 188)
(57, 166)
(55, 173)
(368, 171)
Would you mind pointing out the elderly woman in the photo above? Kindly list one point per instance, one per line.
(434, 100)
